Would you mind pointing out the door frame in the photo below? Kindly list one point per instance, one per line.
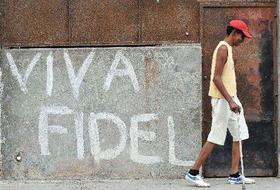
(224, 4)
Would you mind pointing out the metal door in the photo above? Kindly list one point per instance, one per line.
(256, 75)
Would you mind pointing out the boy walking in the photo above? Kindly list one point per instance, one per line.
(225, 106)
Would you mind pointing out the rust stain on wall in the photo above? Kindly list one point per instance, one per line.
(151, 70)
(74, 168)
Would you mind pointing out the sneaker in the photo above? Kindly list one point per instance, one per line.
(196, 180)
(240, 179)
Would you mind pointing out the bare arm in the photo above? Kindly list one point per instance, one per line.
(220, 63)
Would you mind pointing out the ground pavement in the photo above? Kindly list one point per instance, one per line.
(145, 184)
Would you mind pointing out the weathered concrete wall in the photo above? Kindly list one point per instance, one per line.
(100, 112)
(1, 100)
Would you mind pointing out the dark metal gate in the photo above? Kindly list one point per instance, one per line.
(256, 76)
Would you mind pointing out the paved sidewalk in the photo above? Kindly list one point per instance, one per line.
(147, 184)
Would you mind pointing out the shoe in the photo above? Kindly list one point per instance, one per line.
(196, 180)
(240, 179)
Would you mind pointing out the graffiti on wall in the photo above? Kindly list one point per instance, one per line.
(76, 79)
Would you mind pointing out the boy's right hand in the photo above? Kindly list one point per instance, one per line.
(234, 107)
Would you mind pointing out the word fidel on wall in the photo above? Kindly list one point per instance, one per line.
(75, 81)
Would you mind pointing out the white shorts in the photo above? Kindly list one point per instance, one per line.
(223, 118)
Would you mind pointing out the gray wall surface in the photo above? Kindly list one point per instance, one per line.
(127, 112)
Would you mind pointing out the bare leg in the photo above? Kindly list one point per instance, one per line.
(204, 153)
(235, 157)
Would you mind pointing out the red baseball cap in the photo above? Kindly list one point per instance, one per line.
(240, 25)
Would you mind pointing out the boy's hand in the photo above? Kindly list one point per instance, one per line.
(234, 107)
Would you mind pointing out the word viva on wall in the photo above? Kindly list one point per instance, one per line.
(76, 79)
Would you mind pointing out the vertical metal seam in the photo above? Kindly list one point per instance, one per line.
(69, 22)
(277, 65)
(1, 23)
(274, 29)
(140, 23)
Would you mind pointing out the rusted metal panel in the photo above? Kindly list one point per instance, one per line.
(1, 22)
(95, 22)
(35, 22)
(104, 22)
(254, 62)
(170, 21)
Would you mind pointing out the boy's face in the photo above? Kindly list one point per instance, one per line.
(238, 38)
